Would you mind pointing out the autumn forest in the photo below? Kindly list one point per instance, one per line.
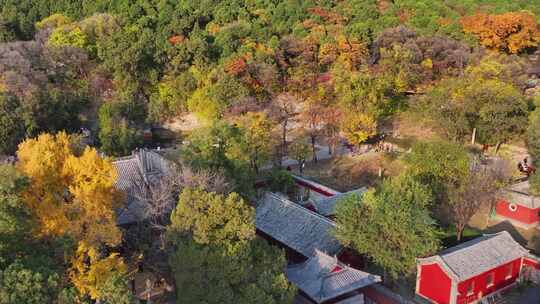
(230, 93)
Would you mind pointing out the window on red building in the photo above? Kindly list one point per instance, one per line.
(470, 289)
(509, 270)
(490, 279)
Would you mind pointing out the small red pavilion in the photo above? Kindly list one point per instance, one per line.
(519, 206)
(471, 271)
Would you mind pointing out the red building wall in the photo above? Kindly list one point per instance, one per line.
(522, 214)
(481, 289)
(325, 191)
(435, 284)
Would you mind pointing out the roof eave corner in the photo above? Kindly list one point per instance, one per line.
(437, 260)
(427, 260)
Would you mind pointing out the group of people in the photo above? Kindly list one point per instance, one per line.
(525, 168)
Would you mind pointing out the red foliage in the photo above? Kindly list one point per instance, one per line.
(403, 15)
(326, 15)
(323, 78)
(236, 66)
(174, 40)
(319, 11)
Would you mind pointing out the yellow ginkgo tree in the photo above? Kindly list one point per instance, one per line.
(70, 194)
(357, 127)
(42, 160)
(90, 272)
(73, 194)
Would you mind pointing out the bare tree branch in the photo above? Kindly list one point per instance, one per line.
(158, 194)
(479, 190)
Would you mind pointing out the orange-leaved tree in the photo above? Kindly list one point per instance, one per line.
(510, 32)
(70, 194)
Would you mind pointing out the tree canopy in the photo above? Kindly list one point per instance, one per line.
(243, 85)
(74, 196)
(511, 32)
(484, 98)
(62, 183)
(391, 224)
(29, 270)
(217, 257)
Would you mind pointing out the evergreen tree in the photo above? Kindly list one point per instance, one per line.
(391, 224)
(217, 258)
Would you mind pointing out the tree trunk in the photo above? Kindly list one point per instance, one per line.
(334, 145)
(284, 142)
(253, 160)
(314, 148)
(459, 232)
(499, 144)
(284, 133)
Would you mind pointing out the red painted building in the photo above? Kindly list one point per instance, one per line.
(471, 271)
(518, 206)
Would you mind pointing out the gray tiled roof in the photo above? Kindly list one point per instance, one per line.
(140, 167)
(129, 172)
(519, 194)
(327, 206)
(316, 277)
(479, 255)
(295, 226)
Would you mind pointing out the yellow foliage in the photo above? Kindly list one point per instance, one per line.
(91, 183)
(427, 63)
(53, 21)
(256, 141)
(213, 28)
(89, 271)
(67, 36)
(317, 33)
(3, 87)
(42, 160)
(257, 127)
(327, 53)
(352, 52)
(358, 127)
(203, 106)
(70, 194)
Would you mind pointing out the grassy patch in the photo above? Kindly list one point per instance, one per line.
(404, 142)
(449, 238)
(348, 173)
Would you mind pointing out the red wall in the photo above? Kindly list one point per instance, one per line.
(435, 284)
(377, 296)
(522, 214)
(314, 188)
(480, 282)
